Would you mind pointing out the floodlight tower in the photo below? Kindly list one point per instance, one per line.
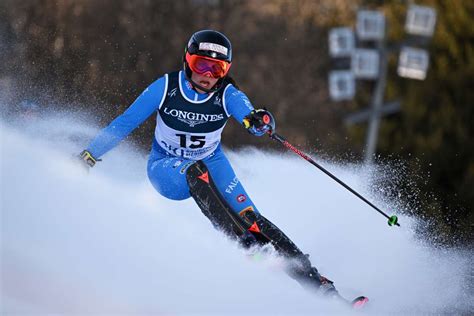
(371, 63)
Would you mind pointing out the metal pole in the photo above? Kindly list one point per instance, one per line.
(377, 102)
(392, 220)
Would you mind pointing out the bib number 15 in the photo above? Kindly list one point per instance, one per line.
(194, 141)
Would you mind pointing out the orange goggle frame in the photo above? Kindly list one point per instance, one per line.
(207, 65)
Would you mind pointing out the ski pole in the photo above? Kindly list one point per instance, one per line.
(392, 220)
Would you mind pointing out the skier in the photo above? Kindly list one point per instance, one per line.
(186, 159)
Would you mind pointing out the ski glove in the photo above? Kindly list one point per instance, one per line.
(87, 159)
(259, 122)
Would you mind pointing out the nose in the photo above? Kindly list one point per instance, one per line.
(207, 74)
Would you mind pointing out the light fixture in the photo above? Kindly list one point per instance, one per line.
(341, 85)
(341, 42)
(365, 63)
(420, 20)
(370, 25)
(413, 63)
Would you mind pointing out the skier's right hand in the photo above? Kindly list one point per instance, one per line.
(87, 160)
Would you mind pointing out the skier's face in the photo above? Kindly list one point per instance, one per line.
(204, 80)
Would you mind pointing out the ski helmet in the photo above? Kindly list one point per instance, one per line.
(211, 45)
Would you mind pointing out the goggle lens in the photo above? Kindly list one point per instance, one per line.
(202, 65)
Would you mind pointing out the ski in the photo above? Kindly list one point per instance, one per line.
(359, 302)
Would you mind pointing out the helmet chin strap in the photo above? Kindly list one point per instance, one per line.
(198, 86)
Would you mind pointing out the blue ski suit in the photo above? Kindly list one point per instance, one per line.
(189, 127)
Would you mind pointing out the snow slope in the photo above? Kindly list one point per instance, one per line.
(107, 243)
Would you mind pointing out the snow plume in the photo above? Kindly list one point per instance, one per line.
(105, 242)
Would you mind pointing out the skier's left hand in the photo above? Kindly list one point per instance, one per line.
(260, 122)
(87, 160)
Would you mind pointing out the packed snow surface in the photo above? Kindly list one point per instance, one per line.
(105, 242)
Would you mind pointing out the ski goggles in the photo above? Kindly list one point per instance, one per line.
(207, 65)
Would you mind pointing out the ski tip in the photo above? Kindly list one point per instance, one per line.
(359, 302)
